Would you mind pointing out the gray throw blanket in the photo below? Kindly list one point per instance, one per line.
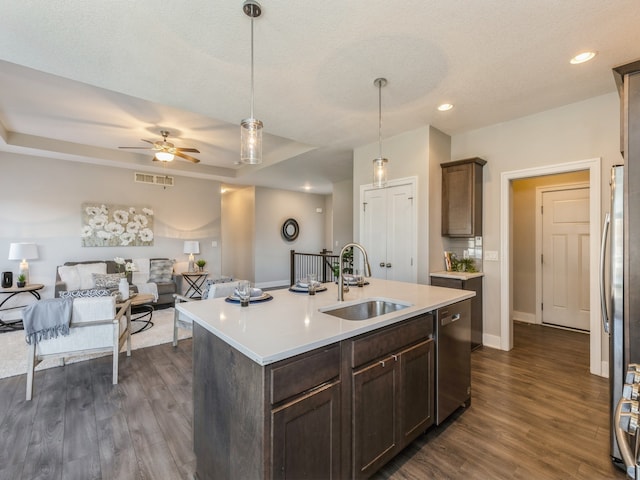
(47, 319)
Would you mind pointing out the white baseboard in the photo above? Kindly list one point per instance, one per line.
(524, 317)
(491, 341)
(604, 372)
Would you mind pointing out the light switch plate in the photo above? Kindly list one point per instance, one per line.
(491, 255)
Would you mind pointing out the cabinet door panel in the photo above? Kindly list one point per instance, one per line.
(457, 190)
(374, 416)
(312, 421)
(416, 383)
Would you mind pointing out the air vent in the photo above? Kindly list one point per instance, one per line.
(163, 180)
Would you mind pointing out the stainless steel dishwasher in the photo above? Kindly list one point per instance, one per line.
(453, 358)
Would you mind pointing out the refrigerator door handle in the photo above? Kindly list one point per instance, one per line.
(603, 251)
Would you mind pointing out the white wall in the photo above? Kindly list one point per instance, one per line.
(41, 203)
(238, 233)
(579, 131)
(254, 248)
(409, 155)
(342, 214)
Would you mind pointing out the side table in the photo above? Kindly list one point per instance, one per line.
(141, 306)
(195, 281)
(11, 292)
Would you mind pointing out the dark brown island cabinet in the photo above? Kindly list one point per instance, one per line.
(340, 411)
(462, 198)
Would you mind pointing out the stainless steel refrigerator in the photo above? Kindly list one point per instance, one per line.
(614, 320)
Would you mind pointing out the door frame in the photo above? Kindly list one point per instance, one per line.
(539, 239)
(413, 181)
(596, 365)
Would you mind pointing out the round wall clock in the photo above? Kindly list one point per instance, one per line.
(290, 229)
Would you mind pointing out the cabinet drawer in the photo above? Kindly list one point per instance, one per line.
(296, 376)
(391, 339)
(447, 282)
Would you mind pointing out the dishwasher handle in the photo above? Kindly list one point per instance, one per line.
(450, 319)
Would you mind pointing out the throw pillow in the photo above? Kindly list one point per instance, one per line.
(160, 271)
(70, 276)
(86, 270)
(93, 292)
(107, 280)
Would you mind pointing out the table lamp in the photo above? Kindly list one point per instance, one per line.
(191, 247)
(24, 252)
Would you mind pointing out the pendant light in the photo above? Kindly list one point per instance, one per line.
(380, 163)
(251, 128)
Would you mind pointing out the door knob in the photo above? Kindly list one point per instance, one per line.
(388, 265)
(382, 264)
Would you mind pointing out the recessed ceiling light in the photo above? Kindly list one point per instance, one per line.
(445, 106)
(582, 57)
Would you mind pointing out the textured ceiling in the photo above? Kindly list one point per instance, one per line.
(78, 79)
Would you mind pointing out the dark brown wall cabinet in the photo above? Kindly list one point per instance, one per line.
(462, 197)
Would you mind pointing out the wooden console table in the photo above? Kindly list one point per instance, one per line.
(11, 292)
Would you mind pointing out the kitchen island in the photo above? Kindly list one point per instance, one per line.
(282, 389)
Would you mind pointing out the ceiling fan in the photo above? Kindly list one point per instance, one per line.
(165, 151)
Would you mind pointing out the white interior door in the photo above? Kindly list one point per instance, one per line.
(388, 232)
(565, 258)
(374, 232)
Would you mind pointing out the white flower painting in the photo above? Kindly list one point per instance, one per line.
(115, 225)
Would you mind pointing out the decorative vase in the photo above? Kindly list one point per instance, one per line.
(123, 288)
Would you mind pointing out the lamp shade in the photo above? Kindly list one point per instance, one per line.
(191, 246)
(23, 251)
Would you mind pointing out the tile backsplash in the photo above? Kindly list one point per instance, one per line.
(464, 248)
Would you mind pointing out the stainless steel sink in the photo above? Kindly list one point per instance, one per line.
(365, 310)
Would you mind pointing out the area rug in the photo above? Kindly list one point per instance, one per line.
(13, 359)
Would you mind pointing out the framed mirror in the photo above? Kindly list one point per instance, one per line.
(290, 230)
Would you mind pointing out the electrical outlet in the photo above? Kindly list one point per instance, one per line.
(491, 256)
(214, 243)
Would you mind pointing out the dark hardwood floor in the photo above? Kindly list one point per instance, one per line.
(536, 413)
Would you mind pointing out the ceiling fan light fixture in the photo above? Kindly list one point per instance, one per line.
(164, 156)
(251, 128)
(380, 163)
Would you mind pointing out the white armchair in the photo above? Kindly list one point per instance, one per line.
(215, 290)
(95, 327)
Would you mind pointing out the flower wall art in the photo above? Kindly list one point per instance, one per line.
(116, 225)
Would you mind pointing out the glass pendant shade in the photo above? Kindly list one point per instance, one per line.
(380, 163)
(251, 141)
(380, 172)
(164, 156)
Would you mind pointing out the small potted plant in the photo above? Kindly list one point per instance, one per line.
(22, 281)
(201, 263)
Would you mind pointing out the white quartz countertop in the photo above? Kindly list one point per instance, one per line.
(457, 275)
(291, 323)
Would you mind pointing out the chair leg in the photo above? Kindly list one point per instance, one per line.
(31, 365)
(175, 329)
(115, 364)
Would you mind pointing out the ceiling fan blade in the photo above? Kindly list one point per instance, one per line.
(148, 141)
(138, 148)
(187, 157)
(191, 150)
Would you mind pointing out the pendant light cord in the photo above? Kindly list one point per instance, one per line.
(252, 67)
(379, 119)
